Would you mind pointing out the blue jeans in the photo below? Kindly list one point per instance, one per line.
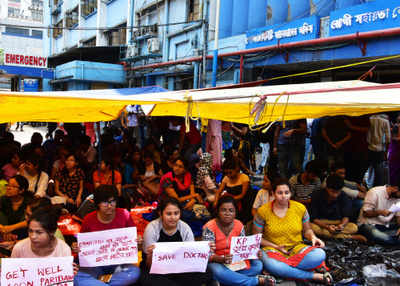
(380, 233)
(88, 276)
(245, 277)
(312, 260)
(264, 154)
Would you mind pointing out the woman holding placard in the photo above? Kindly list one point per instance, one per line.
(221, 230)
(168, 228)
(283, 223)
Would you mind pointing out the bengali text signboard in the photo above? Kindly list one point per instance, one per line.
(108, 247)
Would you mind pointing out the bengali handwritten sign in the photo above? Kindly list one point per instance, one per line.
(180, 257)
(245, 247)
(37, 271)
(108, 247)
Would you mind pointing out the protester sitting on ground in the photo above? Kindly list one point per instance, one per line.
(59, 163)
(220, 230)
(21, 227)
(151, 148)
(171, 154)
(264, 195)
(28, 148)
(233, 155)
(205, 179)
(168, 228)
(234, 183)
(376, 222)
(305, 183)
(150, 175)
(284, 223)
(178, 184)
(69, 183)
(14, 202)
(11, 168)
(106, 217)
(331, 210)
(354, 190)
(132, 168)
(38, 179)
(42, 242)
(107, 175)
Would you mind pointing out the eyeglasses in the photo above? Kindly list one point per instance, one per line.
(109, 203)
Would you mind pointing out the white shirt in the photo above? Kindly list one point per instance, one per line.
(377, 199)
(37, 187)
(132, 111)
(379, 133)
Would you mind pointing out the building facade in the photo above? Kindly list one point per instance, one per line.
(273, 39)
(170, 42)
(23, 63)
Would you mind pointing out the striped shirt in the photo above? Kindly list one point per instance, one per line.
(301, 192)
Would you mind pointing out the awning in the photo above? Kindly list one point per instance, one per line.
(282, 102)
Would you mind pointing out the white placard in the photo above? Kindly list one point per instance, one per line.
(395, 208)
(180, 257)
(108, 247)
(245, 247)
(37, 271)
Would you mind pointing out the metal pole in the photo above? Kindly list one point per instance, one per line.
(215, 55)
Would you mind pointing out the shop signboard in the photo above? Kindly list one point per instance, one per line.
(294, 31)
(378, 15)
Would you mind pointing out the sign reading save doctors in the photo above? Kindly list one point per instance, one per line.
(294, 31)
(378, 15)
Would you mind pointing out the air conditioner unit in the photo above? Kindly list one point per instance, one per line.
(153, 45)
(132, 51)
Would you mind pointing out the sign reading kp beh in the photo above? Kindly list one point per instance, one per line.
(23, 60)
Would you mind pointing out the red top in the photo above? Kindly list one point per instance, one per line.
(122, 219)
(100, 178)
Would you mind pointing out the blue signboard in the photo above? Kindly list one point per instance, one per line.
(371, 16)
(31, 84)
(295, 31)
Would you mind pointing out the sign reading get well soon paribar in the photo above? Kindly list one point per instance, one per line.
(25, 60)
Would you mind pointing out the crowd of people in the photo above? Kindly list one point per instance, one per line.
(332, 178)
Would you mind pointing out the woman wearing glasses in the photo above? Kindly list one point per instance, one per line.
(14, 202)
(106, 217)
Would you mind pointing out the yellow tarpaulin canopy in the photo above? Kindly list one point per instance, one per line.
(280, 102)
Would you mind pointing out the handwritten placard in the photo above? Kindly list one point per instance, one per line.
(37, 271)
(108, 247)
(245, 247)
(180, 257)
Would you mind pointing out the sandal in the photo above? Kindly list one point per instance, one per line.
(266, 280)
(327, 278)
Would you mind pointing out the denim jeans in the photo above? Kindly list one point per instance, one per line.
(380, 233)
(312, 260)
(264, 154)
(245, 277)
(88, 276)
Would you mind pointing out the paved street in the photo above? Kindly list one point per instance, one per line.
(25, 136)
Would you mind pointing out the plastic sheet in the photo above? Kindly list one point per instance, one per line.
(347, 259)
